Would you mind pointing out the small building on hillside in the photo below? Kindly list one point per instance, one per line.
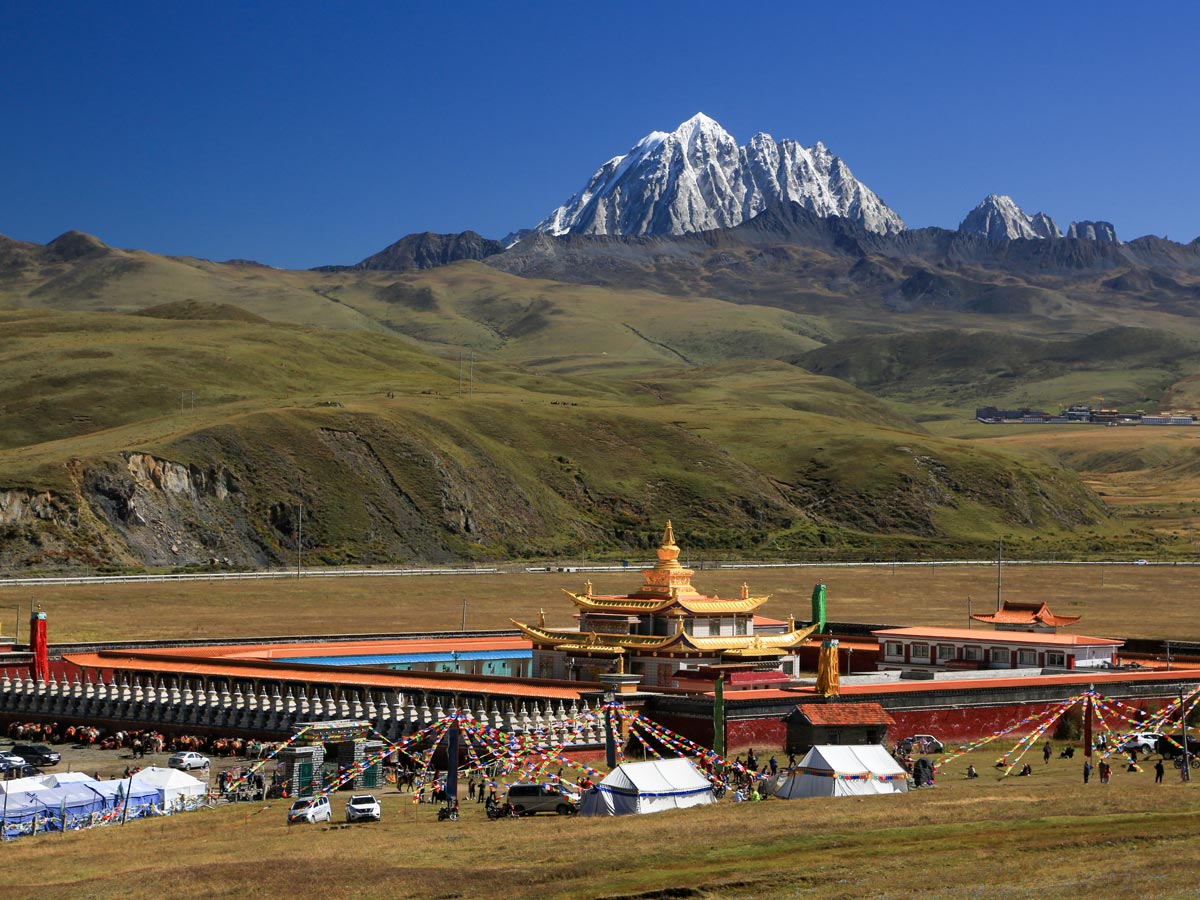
(810, 724)
(925, 649)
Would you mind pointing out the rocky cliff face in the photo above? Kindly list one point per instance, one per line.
(1093, 231)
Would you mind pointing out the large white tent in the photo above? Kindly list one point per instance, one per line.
(16, 786)
(174, 787)
(646, 787)
(843, 770)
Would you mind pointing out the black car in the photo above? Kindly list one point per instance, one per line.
(1171, 745)
(37, 754)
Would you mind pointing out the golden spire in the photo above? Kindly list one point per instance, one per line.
(542, 617)
(791, 622)
(745, 591)
(668, 551)
(679, 623)
(587, 588)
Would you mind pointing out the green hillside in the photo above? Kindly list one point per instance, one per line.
(400, 454)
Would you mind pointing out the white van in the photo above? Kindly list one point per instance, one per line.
(310, 809)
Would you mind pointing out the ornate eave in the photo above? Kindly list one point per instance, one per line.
(743, 643)
(697, 604)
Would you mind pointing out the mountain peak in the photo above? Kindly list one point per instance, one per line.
(697, 178)
(998, 218)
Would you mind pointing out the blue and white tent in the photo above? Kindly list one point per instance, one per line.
(144, 800)
(69, 807)
(647, 787)
(22, 814)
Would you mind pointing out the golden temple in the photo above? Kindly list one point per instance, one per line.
(665, 626)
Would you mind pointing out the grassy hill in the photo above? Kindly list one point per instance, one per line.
(171, 411)
(395, 458)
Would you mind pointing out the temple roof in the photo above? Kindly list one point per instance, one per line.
(749, 646)
(1025, 614)
(666, 586)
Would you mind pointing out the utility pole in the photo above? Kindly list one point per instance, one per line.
(999, 572)
(1184, 774)
(464, 616)
(300, 538)
(969, 619)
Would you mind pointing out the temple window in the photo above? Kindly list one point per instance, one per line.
(973, 653)
(921, 652)
(1026, 657)
(1058, 660)
(894, 650)
(739, 625)
(945, 652)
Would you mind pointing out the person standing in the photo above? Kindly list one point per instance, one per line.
(1087, 770)
(1159, 769)
(1046, 751)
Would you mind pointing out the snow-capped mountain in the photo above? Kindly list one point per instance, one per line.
(999, 218)
(697, 178)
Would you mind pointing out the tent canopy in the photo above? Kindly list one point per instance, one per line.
(843, 770)
(645, 787)
(171, 784)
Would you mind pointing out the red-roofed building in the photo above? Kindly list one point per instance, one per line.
(943, 649)
(836, 723)
(1025, 617)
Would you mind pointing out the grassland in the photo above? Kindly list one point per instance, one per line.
(1122, 600)
(1039, 837)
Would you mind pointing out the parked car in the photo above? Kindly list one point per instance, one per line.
(1141, 741)
(528, 799)
(310, 809)
(362, 808)
(1171, 746)
(188, 760)
(922, 743)
(37, 754)
(10, 761)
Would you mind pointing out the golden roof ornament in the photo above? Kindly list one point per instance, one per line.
(745, 591)
(791, 622)
(587, 588)
(542, 617)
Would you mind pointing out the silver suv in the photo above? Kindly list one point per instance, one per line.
(528, 799)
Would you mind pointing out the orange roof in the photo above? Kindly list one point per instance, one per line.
(1080, 677)
(767, 620)
(999, 637)
(1025, 614)
(277, 650)
(845, 714)
(351, 676)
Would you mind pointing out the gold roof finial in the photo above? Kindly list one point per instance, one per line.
(542, 617)
(791, 622)
(745, 591)
(679, 623)
(668, 551)
(587, 588)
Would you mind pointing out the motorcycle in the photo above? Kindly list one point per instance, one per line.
(502, 811)
(448, 812)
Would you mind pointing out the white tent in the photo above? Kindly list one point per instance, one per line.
(174, 787)
(58, 779)
(16, 786)
(646, 787)
(843, 770)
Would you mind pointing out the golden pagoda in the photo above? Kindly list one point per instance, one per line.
(665, 626)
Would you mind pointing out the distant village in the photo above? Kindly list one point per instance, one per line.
(1079, 415)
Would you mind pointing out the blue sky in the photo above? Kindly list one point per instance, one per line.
(301, 134)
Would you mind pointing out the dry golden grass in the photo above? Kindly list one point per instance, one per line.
(1018, 837)
(1121, 600)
